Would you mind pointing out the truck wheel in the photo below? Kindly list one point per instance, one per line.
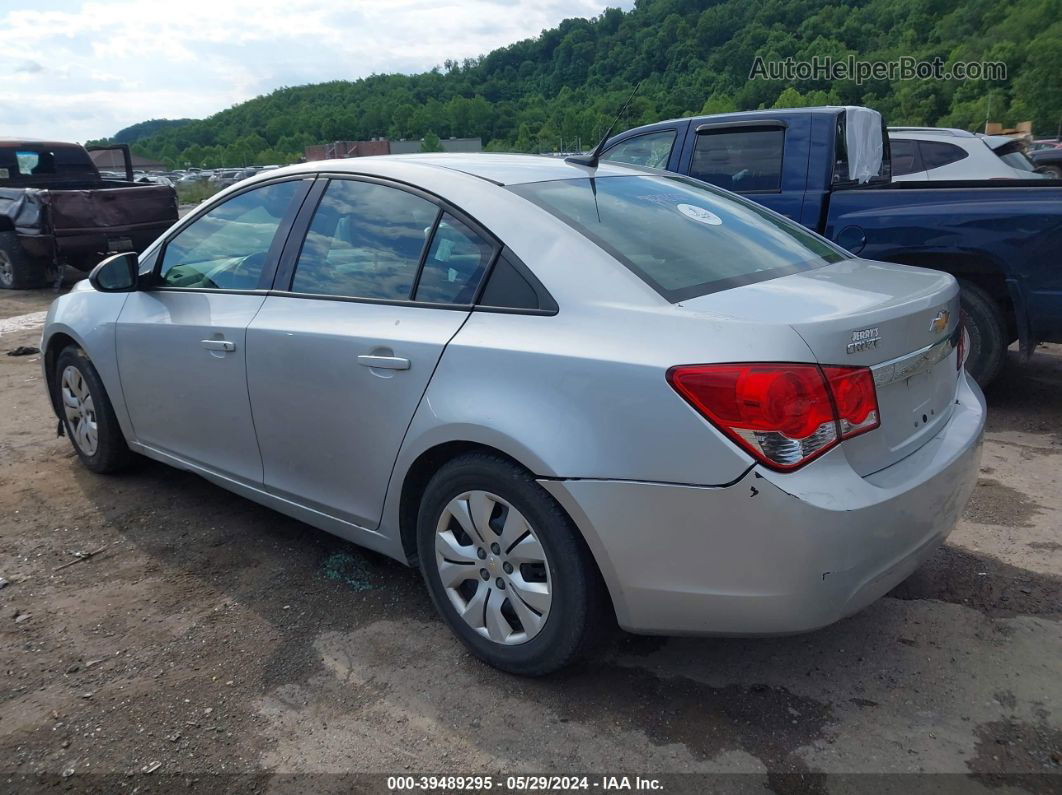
(18, 270)
(987, 331)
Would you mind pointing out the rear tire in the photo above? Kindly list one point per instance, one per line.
(18, 270)
(987, 331)
(87, 415)
(527, 547)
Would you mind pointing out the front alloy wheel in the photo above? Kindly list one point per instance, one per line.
(87, 413)
(493, 567)
(80, 411)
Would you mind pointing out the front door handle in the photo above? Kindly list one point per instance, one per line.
(384, 362)
(218, 345)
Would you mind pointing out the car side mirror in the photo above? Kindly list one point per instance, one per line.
(116, 274)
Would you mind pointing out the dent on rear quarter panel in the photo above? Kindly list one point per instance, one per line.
(89, 318)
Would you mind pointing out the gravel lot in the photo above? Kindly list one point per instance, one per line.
(215, 644)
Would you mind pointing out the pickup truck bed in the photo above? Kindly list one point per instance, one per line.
(70, 216)
(1000, 238)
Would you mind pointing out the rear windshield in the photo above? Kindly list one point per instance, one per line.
(1013, 156)
(682, 237)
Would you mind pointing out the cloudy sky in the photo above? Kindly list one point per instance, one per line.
(80, 69)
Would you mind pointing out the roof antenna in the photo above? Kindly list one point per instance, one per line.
(592, 158)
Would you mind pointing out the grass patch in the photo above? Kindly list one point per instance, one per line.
(195, 192)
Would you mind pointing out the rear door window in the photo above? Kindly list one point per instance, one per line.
(456, 261)
(651, 150)
(366, 240)
(743, 160)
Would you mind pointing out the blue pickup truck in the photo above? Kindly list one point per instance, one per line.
(1002, 239)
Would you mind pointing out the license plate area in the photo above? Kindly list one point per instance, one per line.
(916, 394)
(116, 245)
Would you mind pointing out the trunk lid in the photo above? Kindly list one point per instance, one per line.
(900, 321)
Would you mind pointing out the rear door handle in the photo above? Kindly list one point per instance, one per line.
(218, 345)
(384, 362)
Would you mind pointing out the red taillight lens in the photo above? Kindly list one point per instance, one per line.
(783, 414)
(855, 397)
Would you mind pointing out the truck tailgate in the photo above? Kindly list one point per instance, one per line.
(117, 209)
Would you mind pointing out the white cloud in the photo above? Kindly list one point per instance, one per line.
(79, 70)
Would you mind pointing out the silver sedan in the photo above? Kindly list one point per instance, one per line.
(574, 396)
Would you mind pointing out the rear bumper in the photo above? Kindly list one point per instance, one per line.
(775, 553)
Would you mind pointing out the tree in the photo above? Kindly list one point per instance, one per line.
(430, 143)
(690, 56)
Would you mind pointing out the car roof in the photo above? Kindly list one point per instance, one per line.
(498, 168)
(916, 132)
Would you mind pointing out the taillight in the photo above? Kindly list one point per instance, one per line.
(855, 398)
(783, 414)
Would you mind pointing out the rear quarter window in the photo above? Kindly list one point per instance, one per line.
(937, 153)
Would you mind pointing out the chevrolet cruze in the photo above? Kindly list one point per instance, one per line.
(572, 395)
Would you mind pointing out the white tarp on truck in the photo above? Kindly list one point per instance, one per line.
(863, 139)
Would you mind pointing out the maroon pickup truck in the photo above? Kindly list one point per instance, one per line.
(56, 209)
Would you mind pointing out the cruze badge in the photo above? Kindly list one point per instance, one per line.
(940, 322)
(864, 340)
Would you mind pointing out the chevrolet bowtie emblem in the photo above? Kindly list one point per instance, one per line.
(940, 322)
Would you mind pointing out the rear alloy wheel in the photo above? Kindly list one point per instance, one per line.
(506, 567)
(493, 567)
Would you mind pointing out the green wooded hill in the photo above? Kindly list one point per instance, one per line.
(563, 87)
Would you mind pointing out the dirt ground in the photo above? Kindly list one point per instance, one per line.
(216, 645)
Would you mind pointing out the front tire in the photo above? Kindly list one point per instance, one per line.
(506, 567)
(87, 414)
(987, 331)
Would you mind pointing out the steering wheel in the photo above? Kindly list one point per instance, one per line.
(249, 268)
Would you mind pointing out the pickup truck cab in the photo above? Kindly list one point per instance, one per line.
(999, 238)
(56, 209)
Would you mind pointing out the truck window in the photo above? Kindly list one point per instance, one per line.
(28, 162)
(47, 161)
(743, 160)
(651, 150)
